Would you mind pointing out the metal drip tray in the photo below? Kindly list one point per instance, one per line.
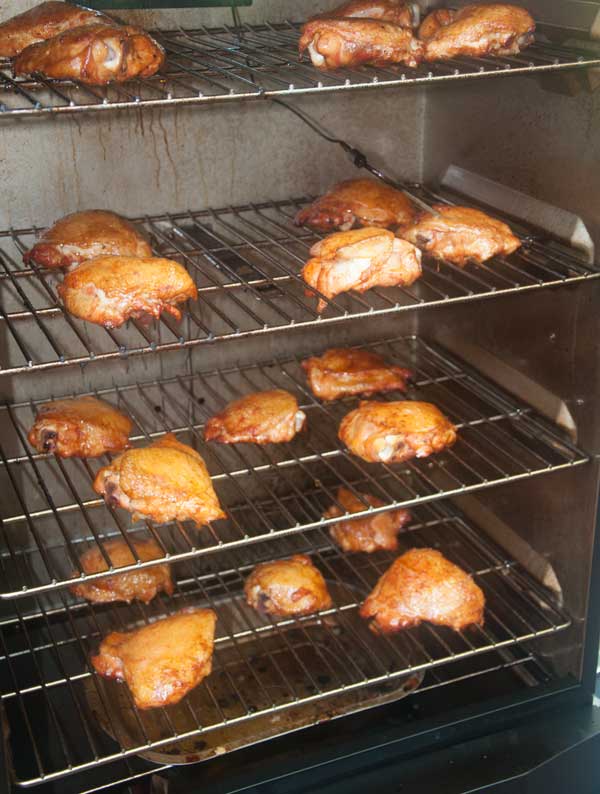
(281, 674)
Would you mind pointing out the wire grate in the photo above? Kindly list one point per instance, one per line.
(51, 513)
(262, 666)
(246, 262)
(256, 62)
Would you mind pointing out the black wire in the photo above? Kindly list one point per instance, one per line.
(358, 158)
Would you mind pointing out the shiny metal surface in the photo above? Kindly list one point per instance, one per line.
(255, 62)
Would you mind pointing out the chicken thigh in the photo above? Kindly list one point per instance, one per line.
(474, 30)
(357, 202)
(93, 54)
(369, 534)
(85, 235)
(161, 662)
(82, 427)
(460, 235)
(42, 22)
(423, 585)
(166, 481)
(108, 290)
(287, 587)
(142, 584)
(342, 372)
(395, 11)
(396, 431)
(334, 43)
(359, 260)
(265, 417)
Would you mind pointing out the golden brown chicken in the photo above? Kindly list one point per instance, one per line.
(85, 235)
(396, 431)
(93, 54)
(42, 22)
(357, 202)
(394, 11)
(359, 260)
(108, 290)
(334, 43)
(423, 585)
(460, 235)
(369, 534)
(161, 662)
(341, 372)
(287, 587)
(142, 584)
(265, 417)
(474, 30)
(82, 427)
(166, 481)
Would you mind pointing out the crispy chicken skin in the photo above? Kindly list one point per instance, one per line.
(460, 235)
(42, 22)
(334, 43)
(423, 585)
(265, 417)
(341, 372)
(165, 481)
(357, 202)
(108, 290)
(373, 533)
(395, 11)
(396, 431)
(82, 427)
(93, 54)
(85, 235)
(488, 29)
(161, 662)
(359, 260)
(287, 587)
(143, 584)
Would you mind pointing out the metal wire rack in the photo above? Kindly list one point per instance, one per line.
(253, 62)
(246, 262)
(262, 667)
(51, 514)
(524, 668)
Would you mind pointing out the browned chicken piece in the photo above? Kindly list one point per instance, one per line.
(165, 481)
(369, 534)
(265, 417)
(142, 584)
(334, 43)
(395, 11)
(359, 260)
(82, 427)
(85, 235)
(357, 202)
(460, 235)
(93, 54)
(44, 22)
(489, 29)
(108, 290)
(396, 431)
(161, 662)
(423, 585)
(287, 587)
(341, 372)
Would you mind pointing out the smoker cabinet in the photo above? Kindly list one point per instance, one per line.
(214, 169)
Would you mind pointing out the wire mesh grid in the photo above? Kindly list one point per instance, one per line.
(51, 514)
(257, 61)
(246, 262)
(262, 666)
